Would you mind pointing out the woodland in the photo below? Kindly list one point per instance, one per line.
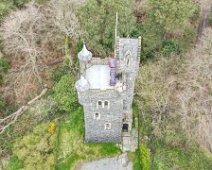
(41, 121)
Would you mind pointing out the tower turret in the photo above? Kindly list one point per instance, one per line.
(82, 84)
(84, 56)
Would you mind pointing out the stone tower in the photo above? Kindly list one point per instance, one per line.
(106, 89)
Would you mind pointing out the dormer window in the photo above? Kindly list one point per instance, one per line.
(96, 116)
(107, 126)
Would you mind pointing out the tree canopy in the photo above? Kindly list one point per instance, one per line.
(171, 15)
(97, 19)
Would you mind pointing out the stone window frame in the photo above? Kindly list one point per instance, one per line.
(128, 57)
(108, 104)
(108, 126)
(120, 76)
(100, 104)
(124, 104)
(96, 116)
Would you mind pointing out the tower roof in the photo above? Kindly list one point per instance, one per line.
(82, 84)
(98, 77)
(84, 55)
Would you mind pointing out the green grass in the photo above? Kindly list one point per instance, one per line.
(68, 148)
(175, 158)
(71, 147)
(14, 164)
(134, 157)
(135, 113)
(168, 157)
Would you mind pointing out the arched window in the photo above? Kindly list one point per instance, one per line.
(96, 116)
(107, 126)
(107, 104)
(99, 104)
(128, 56)
(128, 61)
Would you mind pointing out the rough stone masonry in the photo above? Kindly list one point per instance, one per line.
(108, 107)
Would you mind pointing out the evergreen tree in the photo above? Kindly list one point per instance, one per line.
(165, 17)
(171, 15)
(97, 19)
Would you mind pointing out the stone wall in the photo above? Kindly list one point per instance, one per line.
(120, 103)
(95, 128)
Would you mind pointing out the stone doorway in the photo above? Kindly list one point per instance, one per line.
(125, 127)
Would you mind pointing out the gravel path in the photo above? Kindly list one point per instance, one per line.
(116, 163)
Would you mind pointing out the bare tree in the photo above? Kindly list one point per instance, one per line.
(20, 40)
(177, 94)
(11, 119)
(195, 98)
(64, 17)
(35, 36)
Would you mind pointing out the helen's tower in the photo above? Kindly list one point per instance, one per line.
(106, 89)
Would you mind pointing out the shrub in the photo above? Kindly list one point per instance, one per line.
(78, 48)
(65, 94)
(36, 150)
(58, 72)
(2, 103)
(145, 157)
(20, 3)
(14, 164)
(52, 128)
(5, 7)
(4, 66)
(147, 55)
(170, 47)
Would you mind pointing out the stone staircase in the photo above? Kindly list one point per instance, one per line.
(130, 140)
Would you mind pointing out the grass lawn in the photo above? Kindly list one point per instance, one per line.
(65, 146)
(168, 157)
(71, 148)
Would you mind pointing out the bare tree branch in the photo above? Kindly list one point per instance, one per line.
(11, 119)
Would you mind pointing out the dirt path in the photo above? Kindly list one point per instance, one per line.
(206, 11)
